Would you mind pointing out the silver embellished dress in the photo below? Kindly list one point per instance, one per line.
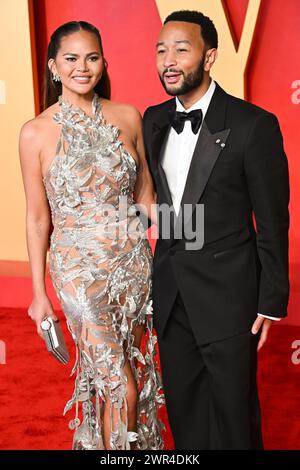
(101, 265)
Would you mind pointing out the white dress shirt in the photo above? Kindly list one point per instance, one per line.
(179, 150)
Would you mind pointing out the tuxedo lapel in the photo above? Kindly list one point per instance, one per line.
(159, 137)
(207, 150)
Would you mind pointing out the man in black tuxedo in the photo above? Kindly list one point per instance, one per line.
(213, 305)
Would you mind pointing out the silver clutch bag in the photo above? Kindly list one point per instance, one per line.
(55, 340)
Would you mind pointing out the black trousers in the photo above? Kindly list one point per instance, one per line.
(211, 391)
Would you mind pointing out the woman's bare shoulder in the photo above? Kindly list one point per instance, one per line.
(34, 129)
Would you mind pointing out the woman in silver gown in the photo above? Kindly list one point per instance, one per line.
(100, 260)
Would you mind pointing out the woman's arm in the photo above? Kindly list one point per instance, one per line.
(38, 221)
(144, 192)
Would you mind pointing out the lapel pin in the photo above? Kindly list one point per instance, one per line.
(218, 141)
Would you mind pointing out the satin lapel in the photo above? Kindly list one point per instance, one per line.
(159, 137)
(163, 190)
(207, 151)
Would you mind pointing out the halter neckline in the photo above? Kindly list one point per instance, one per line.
(96, 105)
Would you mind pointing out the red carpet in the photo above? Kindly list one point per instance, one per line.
(34, 389)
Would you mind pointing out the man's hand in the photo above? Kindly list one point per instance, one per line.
(265, 324)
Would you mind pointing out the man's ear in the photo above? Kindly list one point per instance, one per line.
(210, 58)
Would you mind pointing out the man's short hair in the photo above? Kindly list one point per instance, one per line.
(208, 30)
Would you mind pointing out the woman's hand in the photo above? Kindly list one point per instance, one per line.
(40, 308)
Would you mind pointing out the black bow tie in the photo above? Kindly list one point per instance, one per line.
(178, 119)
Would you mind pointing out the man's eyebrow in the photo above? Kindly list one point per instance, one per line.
(185, 41)
(76, 55)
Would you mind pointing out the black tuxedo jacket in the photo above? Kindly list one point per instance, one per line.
(241, 269)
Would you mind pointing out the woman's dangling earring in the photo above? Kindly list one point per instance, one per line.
(55, 77)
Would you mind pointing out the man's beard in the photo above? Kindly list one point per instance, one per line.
(191, 81)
